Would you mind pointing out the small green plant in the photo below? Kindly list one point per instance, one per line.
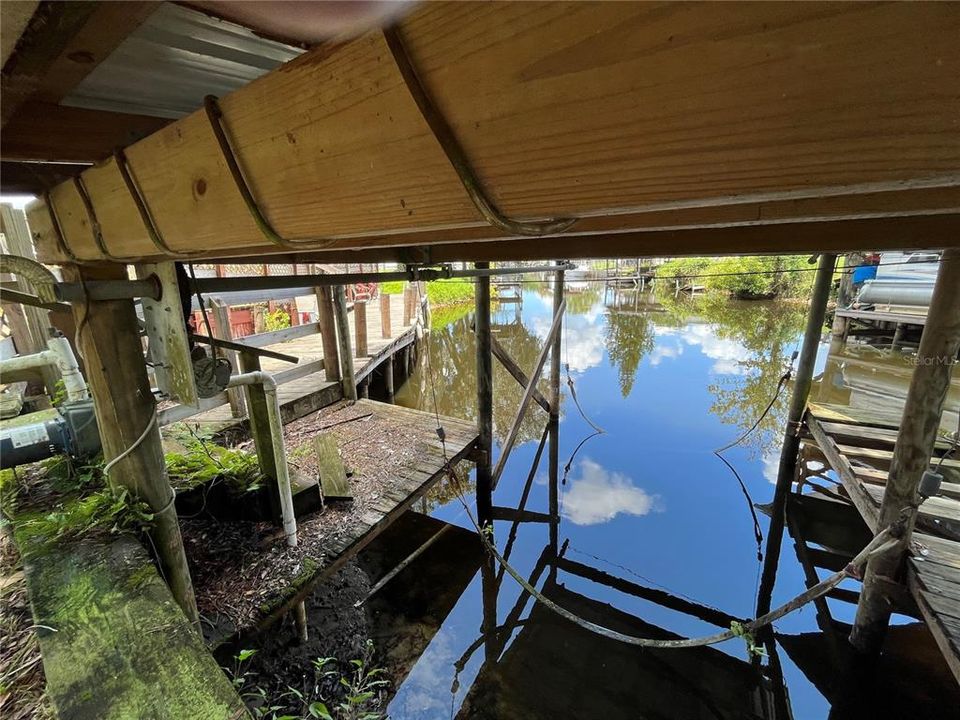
(59, 394)
(109, 509)
(205, 462)
(360, 691)
(279, 319)
(753, 650)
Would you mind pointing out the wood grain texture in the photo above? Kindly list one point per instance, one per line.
(582, 109)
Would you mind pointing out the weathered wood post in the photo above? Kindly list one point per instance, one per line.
(802, 380)
(259, 419)
(126, 416)
(343, 338)
(388, 378)
(328, 333)
(31, 324)
(554, 457)
(365, 388)
(360, 327)
(484, 399)
(407, 305)
(936, 357)
(385, 330)
(221, 317)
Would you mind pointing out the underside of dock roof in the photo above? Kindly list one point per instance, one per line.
(587, 129)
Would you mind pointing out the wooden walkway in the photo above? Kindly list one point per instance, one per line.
(248, 579)
(858, 445)
(305, 383)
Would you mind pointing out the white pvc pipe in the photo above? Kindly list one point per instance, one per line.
(259, 377)
(59, 355)
(28, 362)
(66, 363)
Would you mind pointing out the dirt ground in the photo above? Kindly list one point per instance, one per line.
(239, 568)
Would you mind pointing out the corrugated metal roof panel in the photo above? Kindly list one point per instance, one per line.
(173, 60)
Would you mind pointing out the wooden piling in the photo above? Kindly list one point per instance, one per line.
(484, 399)
(407, 305)
(919, 425)
(221, 317)
(365, 388)
(347, 378)
(30, 324)
(126, 416)
(802, 380)
(388, 378)
(259, 420)
(385, 331)
(554, 432)
(328, 333)
(360, 328)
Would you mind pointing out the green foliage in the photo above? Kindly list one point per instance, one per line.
(443, 316)
(358, 691)
(205, 462)
(740, 631)
(279, 319)
(394, 287)
(108, 509)
(680, 268)
(453, 291)
(776, 275)
(59, 395)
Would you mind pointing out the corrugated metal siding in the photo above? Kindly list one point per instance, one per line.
(167, 66)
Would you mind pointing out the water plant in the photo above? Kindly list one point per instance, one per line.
(356, 693)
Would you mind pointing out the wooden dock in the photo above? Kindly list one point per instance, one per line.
(303, 386)
(858, 447)
(248, 579)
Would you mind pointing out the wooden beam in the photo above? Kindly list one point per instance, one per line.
(347, 378)
(125, 410)
(548, 346)
(659, 597)
(63, 43)
(517, 372)
(328, 333)
(916, 232)
(485, 484)
(606, 116)
(936, 356)
(45, 132)
(29, 178)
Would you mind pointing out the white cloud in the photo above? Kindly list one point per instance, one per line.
(771, 467)
(597, 496)
(582, 343)
(726, 354)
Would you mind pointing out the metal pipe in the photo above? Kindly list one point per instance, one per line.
(484, 399)
(109, 290)
(214, 285)
(791, 436)
(258, 377)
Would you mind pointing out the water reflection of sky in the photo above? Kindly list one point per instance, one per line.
(647, 496)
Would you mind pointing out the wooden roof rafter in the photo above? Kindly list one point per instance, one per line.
(645, 123)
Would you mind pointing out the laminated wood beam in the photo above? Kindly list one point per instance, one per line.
(601, 111)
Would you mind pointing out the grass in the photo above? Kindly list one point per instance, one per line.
(454, 291)
(60, 499)
(394, 287)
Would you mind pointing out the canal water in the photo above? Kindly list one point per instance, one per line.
(644, 504)
(668, 380)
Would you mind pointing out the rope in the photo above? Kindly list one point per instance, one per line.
(877, 544)
(136, 443)
(757, 531)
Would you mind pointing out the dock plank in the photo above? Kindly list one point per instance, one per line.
(933, 575)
